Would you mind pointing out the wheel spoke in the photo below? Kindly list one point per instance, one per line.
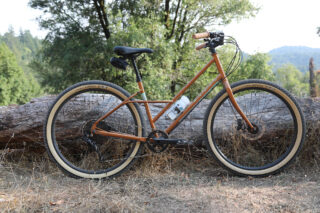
(87, 153)
(275, 132)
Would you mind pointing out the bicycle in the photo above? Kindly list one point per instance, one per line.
(96, 129)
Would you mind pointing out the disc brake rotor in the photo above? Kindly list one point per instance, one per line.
(257, 123)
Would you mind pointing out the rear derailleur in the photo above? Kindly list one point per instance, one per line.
(93, 145)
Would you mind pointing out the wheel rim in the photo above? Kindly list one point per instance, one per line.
(80, 109)
(263, 149)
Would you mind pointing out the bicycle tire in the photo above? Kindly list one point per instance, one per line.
(272, 147)
(68, 125)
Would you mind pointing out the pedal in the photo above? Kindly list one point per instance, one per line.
(182, 142)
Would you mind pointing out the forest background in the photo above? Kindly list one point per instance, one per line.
(82, 34)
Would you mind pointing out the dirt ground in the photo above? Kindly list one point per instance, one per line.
(161, 183)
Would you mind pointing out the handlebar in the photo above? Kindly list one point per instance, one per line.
(201, 46)
(201, 35)
(213, 39)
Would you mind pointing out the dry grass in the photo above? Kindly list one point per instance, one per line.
(310, 153)
(180, 180)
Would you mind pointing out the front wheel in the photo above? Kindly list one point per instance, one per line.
(70, 142)
(278, 135)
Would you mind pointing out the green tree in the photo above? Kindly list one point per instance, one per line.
(180, 20)
(78, 46)
(24, 46)
(254, 67)
(15, 87)
(289, 77)
(75, 48)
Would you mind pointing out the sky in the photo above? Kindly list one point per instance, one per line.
(19, 15)
(278, 23)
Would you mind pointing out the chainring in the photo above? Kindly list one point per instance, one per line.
(156, 146)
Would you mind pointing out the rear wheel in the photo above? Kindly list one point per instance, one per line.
(276, 139)
(68, 130)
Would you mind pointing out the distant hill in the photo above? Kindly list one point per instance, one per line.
(299, 56)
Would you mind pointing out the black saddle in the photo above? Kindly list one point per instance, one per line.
(127, 51)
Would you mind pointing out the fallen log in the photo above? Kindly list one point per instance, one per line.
(22, 125)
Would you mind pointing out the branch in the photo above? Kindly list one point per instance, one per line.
(167, 13)
(99, 5)
(175, 20)
(183, 24)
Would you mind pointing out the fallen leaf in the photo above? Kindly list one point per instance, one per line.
(59, 202)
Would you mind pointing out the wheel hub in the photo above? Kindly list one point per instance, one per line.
(255, 133)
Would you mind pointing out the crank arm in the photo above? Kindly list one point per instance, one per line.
(169, 140)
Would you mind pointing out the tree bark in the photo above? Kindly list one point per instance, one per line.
(23, 125)
(313, 92)
(101, 10)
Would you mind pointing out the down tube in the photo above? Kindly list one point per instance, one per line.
(189, 109)
(183, 90)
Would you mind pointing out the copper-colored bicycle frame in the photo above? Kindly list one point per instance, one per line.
(221, 77)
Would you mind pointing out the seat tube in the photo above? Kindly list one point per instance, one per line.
(143, 94)
(136, 69)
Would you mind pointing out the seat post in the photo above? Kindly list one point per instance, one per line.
(136, 69)
(143, 94)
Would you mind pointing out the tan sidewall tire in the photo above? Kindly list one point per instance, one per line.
(281, 164)
(48, 130)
